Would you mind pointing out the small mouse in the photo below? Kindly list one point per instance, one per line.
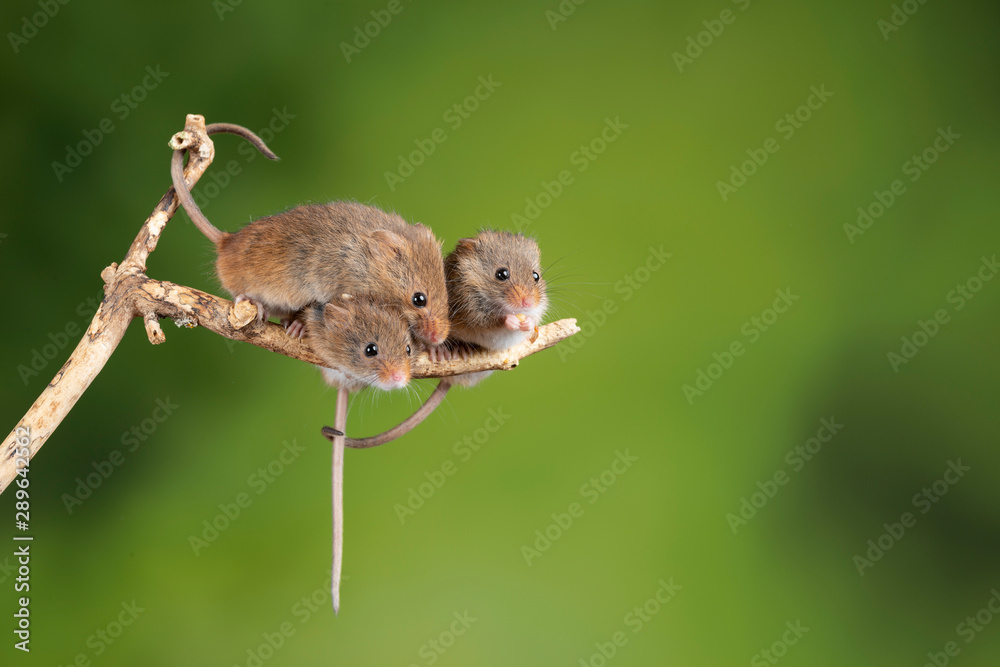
(316, 252)
(362, 343)
(496, 294)
(497, 297)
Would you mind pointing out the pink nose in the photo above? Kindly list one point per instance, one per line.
(526, 302)
(398, 376)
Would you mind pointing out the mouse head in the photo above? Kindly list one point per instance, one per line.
(364, 343)
(410, 260)
(496, 274)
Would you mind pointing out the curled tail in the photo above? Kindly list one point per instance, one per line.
(184, 192)
(400, 429)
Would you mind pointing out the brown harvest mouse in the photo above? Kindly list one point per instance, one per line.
(316, 252)
(497, 297)
(364, 342)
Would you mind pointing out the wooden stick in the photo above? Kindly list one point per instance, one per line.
(108, 326)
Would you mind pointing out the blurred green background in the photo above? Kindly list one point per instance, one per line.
(672, 518)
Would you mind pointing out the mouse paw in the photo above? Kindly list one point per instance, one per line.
(261, 310)
(512, 322)
(528, 323)
(459, 349)
(294, 328)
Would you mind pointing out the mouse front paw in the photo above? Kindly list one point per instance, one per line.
(261, 310)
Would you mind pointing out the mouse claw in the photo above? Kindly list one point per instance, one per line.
(512, 322)
(294, 328)
(439, 352)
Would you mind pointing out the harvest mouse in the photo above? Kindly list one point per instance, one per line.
(497, 297)
(316, 252)
(363, 342)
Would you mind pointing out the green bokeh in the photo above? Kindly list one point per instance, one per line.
(616, 388)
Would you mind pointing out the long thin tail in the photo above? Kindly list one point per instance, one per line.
(184, 192)
(337, 488)
(400, 429)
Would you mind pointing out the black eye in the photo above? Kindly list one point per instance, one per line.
(407, 350)
(534, 274)
(503, 274)
(419, 299)
(371, 350)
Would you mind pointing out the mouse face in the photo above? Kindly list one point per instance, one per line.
(362, 343)
(493, 276)
(412, 257)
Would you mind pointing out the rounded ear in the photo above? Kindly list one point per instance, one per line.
(467, 245)
(386, 245)
(335, 315)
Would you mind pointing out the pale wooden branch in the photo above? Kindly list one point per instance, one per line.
(129, 294)
(113, 316)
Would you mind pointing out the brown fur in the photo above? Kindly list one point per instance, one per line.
(340, 331)
(476, 299)
(317, 252)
